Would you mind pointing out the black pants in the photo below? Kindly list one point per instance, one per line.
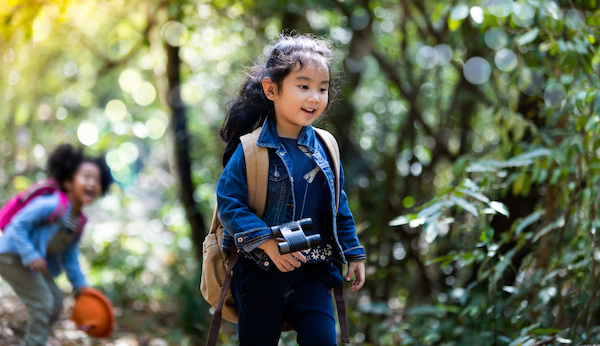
(302, 298)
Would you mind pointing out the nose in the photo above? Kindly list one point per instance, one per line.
(313, 97)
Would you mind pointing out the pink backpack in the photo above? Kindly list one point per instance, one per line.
(43, 188)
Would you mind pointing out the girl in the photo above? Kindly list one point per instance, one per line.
(34, 250)
(286, 96)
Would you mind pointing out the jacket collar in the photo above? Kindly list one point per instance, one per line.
(269, 138)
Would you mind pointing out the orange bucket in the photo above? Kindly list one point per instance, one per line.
(93, 313)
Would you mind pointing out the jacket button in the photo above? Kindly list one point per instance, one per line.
(240, 239)
(266, 264)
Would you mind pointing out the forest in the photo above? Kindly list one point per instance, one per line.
(469, 135)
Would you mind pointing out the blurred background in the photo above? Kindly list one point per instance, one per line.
(469, 139)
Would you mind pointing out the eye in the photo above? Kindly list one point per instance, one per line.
(323, 90)
(305, 87)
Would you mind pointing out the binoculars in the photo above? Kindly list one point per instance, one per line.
(294, 237)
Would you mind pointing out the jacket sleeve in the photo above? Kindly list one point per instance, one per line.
(239, 221)
(22, 230)
(346, 227)
(70, 259)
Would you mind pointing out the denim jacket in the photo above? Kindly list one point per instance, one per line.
(28, 235)
(246, 231)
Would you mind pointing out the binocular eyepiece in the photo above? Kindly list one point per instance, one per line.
(294, 237)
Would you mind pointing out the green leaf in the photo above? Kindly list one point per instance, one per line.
(528, 37)
(549, 227)
(592, 121)
(446, 258)
(526, 158)
(580, 98)
(487, 235)
(530, 219)
(500, 208)
(545, 331)
(546, 46)
(461, 202)
(475, 195)
(592, 20)
(430, 210)
(522, 341)
(422, 310)
(518, 184)
(399, 221)
(484, 166)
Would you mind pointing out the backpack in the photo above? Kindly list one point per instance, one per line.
(217, 265)
(42, 188)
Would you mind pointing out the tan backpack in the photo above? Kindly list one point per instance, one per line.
(217, 265)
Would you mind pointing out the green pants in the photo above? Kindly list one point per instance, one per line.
(38, 292)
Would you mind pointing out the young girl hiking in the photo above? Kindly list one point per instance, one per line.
(34, 248)
(285, 96)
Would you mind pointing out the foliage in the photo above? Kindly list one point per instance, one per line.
(468, 133)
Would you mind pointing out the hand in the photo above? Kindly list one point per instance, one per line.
(358, 270)
(39, 266)
(80, 291)
(285, 263)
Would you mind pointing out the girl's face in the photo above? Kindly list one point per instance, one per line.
(85, 186)
(302, 98)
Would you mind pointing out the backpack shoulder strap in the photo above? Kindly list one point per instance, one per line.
(61, 208)
(257, 175)
(257, 171)
(334, 150)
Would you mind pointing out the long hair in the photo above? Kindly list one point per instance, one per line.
(251, 107)
(65, 160)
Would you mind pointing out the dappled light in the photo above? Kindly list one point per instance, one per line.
(469, 139)
(477, 70)
(87, 133)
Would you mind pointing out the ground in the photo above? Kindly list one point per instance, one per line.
(13, 321)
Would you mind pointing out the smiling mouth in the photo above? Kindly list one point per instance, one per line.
(309, 110)
(90, 194)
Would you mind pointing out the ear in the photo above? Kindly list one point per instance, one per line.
(269, 88)
(68, 185)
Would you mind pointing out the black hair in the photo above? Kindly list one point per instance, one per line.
(251, 107)
(66, 159)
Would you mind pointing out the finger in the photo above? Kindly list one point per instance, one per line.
(286, 265)
(349, 275)
(281, 267)
(294, 262)
(358, 283)
(299, 256)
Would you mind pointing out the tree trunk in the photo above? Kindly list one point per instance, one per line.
(181, 148)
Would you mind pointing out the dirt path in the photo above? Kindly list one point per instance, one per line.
(13, 323)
